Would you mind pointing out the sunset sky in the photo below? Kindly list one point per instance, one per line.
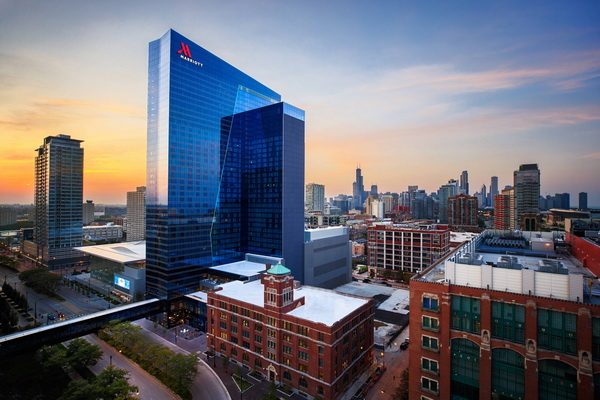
(414, 92)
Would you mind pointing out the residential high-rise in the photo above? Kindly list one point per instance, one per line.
(583, 201)
(225, 158)
(58, 225)
(136, 214)
(502, 219)
(464, 183)
(358, 190)
(527, 192)
(315, 197)
(445, 192)
(462, 212)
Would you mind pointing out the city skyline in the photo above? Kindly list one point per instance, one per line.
(415, 95)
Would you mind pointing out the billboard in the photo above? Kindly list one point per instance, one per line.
(122, 282)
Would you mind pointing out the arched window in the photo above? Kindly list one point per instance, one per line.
(556, 380)
(320, 390)
(302, 382)
(465, 369)
(287, 376)
(508, 374)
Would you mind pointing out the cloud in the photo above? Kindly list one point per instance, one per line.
(111, 108)
(592, 156)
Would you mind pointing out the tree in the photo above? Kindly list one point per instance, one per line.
(53, 356)
(401, 392)
(226, 363)
(271, 394)
(111, 383)
(182, 369)
(81, 353)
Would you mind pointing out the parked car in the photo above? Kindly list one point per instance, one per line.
(404, 346)
(366, 281)
(51, 317)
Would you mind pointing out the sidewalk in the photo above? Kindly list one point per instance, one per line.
(198, 346)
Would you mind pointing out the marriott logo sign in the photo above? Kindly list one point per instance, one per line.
(186, 54)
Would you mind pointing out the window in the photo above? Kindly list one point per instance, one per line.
(429, 385)
(224, 335)
(321, 336)
(233, 308)
(272, 321)
(287, 295)
(258, 349)
(557, 331)
(245, 323)
(245, 344)
(234, 319)
(321, 349)
(234, 329)
(223, 325)
(258, 363)
(429, 343)
(303, 330)
(286, 337)
(303, 343)
(223, 347)
(258, 316)
(271, 297)
(258, 338)
(430, 323)
(223, 315)
(287, 376)
(303, 368)
(508, 373)
(596, 339)
(464, 369)
(234, 340)
(245, 357)
(233, 351)
(287, 349)
(303, 356)
(258, 327)
(320, 363)
(271, 333)
(271, 345)
(430, 303)
(246, 334)
(428, 365)
(466, 314)
(508, 321)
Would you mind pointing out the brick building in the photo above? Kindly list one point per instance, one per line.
(406, 247)
(490, 326)
(315, 340)
(462, 211)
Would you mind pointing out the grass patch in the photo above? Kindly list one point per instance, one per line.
(244, 384)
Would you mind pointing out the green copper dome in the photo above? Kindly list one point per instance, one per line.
(278, 270)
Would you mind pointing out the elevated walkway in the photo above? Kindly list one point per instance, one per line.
(31, 339)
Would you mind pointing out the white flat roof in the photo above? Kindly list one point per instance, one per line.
(126, 252)
(242, 268)
(320, 305)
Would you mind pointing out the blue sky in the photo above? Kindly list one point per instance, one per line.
(415, 92)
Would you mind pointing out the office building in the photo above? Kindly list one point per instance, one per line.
(136, 215)
(485, 325)
(314, 340)
(462, 212)
(374, 191)
(464, 183)
(445, 192)
(8, 216)
(358, 190)
(108, 232)
(315, 197)
(583, 201)
(58, 225)
(225, 158)
(408, 247)
(327, 257)
(88, 212)
(527, 195)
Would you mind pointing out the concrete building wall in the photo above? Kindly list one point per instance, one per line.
(327, 259)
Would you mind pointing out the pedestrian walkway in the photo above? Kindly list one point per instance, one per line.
(198, 345)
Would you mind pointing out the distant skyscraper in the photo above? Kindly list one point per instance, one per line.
(527, 192)
(583, 201)
(88, 212)
(464, 183)
(225, 159)
(374, 191)
(493, 189)
(358, 190)
(462, 211)
(445, 192)
(58, 201)
(483, 196)
(315, 197)
(136, 214)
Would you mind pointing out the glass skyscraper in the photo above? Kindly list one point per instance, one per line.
(225, 169)
(58, 225)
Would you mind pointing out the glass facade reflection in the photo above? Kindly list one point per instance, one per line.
(225, 158)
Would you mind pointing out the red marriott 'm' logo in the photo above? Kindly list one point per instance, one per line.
(185, 49)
